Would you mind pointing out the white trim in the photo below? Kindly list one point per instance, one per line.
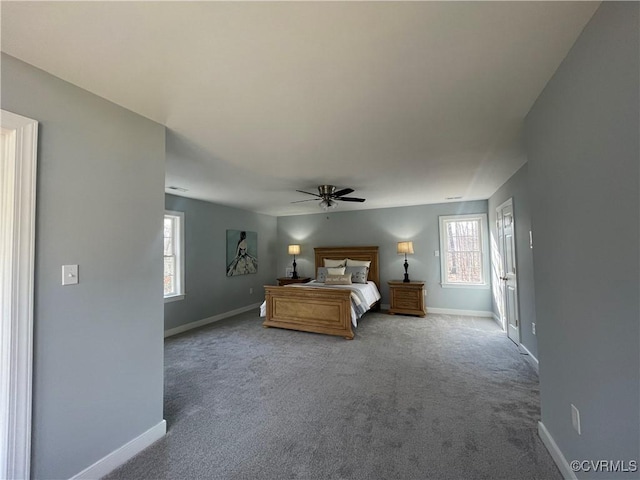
(556, 453)
(449, 311)
(506, 203)
(121, 455)
(496, 319)
(173, 298)
(207, 321)
(532, 360)
(465, 313)
(476, 286)
(17, 249)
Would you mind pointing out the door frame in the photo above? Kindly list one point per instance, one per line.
(503, 286)
(17, 260)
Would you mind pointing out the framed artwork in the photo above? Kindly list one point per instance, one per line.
(242, 252)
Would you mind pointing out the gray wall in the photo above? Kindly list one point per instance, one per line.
(583, 149)
(98, 373)
(384, 228)
(208, 290)
(517, 188)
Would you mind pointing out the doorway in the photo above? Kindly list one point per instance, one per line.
(18, 152)
(508, 272)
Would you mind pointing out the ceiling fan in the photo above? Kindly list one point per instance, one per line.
(327, 195)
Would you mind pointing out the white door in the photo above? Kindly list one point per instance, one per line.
(508, 273)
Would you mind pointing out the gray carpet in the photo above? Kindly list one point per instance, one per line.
(441, 397)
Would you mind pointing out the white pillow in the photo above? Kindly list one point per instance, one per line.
(358, 263)
(335, 270)
(338, 280)
(335, 263)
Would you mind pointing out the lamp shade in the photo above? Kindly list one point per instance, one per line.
(294, 249)
(405, 247)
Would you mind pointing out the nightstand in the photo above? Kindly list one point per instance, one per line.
(287, 280)
(407, 298)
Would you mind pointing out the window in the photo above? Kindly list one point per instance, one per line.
(173, 256)
(463, 251)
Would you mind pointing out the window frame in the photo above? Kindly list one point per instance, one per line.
(178, 242)
(484, 246)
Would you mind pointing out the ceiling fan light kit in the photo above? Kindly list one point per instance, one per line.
(327, 205)
(328, 195)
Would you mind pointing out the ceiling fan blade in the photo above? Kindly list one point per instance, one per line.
(309, 193)
(307, 200)
(350, 199)
(344, 191)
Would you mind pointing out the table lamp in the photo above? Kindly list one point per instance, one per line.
(406, 248)
(294, 250)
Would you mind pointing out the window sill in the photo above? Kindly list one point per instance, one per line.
(483, 286)
(173, 298)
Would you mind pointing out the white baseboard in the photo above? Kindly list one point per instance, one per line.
(532, 360)
(450, 311)
(556, 454)
(496, 319)
(466, 313)
(119, 456)
(207, 321)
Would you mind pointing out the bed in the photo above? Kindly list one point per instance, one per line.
(320, 310)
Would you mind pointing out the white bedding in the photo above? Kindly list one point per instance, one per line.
(362, 294)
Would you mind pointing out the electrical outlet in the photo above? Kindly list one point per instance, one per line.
(250, 290)
(575, 418)
(533, 328)
(436, 253)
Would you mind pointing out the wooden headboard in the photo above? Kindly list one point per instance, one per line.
(356, 253)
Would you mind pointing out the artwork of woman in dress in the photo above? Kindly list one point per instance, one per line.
(241, 252)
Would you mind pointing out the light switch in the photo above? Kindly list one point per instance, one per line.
(436, 253)
(69, 274)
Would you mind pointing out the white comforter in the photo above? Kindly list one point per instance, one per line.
(363, 295)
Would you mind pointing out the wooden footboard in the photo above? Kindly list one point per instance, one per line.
(318, 310)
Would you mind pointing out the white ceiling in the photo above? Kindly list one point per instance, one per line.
(406, 102)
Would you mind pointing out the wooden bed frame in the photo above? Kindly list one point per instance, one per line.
(319, 310)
